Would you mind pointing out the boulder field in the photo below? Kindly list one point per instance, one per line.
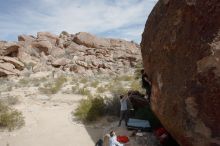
(81, 53)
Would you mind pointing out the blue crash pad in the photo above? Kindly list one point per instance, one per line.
(138, 124)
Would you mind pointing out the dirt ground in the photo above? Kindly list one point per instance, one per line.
(48, 122)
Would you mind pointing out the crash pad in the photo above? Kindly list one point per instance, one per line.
(138, 124)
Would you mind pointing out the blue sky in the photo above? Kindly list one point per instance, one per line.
(107, 18)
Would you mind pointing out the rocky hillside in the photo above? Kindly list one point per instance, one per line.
(81, 53)
(181, 52)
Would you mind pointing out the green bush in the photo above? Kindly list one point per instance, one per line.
(112, 106)
(10, 118)
(90, 109)
(96, 110)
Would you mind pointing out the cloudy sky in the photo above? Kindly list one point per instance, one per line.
(107, 18)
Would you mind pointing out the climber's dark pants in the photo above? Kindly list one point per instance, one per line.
(123, 116)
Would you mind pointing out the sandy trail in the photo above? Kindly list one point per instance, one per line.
(48, 123)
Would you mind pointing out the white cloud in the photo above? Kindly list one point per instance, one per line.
(95, 16)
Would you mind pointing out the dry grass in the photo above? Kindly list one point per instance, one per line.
(54, 86)
(84, 91)
(101, 89)
(124, 78)
(10, 100)
(94, 84)
(84, 80)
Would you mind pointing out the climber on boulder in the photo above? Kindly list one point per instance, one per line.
(146, 84)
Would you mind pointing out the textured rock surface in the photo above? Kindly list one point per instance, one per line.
(8, 48)
(181, 52)
(8, 69)
(81, 53)
(10, 66)
(19, 65)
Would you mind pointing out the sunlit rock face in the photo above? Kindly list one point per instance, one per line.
(80, 53)
(181, 54)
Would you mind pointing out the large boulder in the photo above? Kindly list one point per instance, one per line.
(9, 48)
(58, 52)
(19, 65)
(42, 45)
(26, 58)
(25, 38)
(8, 69)
(48, 36)
(60, 62)
(181, 51)
(88, 40)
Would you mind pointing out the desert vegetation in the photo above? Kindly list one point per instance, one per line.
(90, 109)
(10, 118)
(101, 93)
(52, 87)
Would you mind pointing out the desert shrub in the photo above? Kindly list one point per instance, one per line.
(64, 33)
(37, 81)
(75, 88)
(136, 85)
(74, 80)
(24, 82)
(84, 91)
(10, 118)
(94, 84)
(10, 100)
(117, 88)
(30, 65)
(101, 89)
(90, 109)
(124, 78)
(96, 110)
(84, 80)
(6, 88)
(53, 87)
(112, 106)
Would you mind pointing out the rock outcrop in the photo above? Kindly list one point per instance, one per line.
(81, 53)
(181, 53)
(10, 66)
(9, 48)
